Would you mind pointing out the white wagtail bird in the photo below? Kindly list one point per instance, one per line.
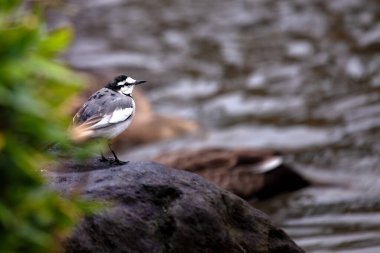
(107, 113)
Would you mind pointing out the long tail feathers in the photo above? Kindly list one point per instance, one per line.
(80, 133)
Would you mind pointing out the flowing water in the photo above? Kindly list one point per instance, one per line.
(299, 76)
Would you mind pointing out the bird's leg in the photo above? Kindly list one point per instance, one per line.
(116, 161)
(102, 158)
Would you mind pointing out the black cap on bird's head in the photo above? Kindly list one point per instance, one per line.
(123, 84)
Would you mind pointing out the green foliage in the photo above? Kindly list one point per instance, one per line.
(34, 91)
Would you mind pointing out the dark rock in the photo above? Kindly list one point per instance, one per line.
(156, 209)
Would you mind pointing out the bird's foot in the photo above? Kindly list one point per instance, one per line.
(118, 162)
(103, 159)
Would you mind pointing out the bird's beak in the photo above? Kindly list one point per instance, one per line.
(139, 82)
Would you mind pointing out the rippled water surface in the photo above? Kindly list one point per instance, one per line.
(300, 76)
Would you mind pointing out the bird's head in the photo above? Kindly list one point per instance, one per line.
(123, 84)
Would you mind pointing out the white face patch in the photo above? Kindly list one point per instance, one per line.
(129, 80)
(126, 90)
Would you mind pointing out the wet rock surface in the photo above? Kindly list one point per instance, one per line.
(156, 209)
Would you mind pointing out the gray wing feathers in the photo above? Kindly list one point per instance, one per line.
(101, 107)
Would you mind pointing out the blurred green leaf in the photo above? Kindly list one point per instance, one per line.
(58, 40)
(7, 5)
(34, 90)
(18, 40)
